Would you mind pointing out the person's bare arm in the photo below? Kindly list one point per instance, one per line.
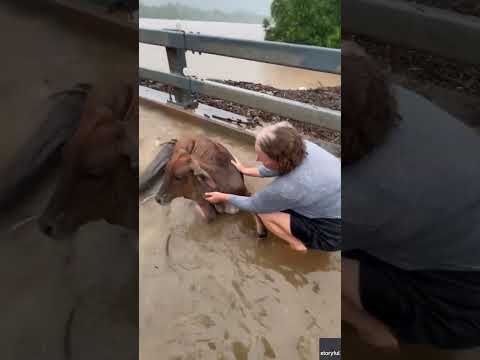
(249, 171)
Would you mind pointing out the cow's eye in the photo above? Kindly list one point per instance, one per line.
(178, 177)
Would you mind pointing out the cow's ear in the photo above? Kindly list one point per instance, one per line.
(202, 175)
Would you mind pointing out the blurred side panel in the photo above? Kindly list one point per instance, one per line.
(410, 190)
(69, 189)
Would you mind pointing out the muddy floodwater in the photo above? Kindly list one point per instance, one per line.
(225, 68)
(221, 293)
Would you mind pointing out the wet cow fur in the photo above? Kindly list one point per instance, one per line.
(194, 165)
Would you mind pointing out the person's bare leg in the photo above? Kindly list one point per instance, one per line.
(279, 224)
(372, 330)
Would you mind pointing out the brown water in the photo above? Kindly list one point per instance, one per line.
(220, 67)
(221, 293)
(38, 288)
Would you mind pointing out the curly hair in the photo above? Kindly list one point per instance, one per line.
(282, 143)
(369, 110)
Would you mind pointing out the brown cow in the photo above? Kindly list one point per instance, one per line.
(99, 173)
(195, 165)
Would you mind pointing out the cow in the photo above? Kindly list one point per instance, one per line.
(99, 167)
(192, 166)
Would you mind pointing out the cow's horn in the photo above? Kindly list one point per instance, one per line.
(197, 169)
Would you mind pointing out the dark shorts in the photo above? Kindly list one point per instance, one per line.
(435, 307)
(320, 234)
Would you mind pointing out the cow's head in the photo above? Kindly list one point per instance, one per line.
(184, 177)
(98, 154)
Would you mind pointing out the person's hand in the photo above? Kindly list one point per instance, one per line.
(216, 197)
(240, 167)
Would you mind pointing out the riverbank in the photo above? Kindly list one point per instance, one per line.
(329, 97)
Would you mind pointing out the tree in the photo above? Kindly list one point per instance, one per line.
(311, 22)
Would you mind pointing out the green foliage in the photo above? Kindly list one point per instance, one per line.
(177, 11)
(312, 22)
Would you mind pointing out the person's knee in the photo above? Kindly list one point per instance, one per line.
(267, 218)
(350, 282)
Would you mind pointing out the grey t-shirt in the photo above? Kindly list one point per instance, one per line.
(313, 189)
(414, 202)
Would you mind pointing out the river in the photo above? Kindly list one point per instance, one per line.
(225, 68)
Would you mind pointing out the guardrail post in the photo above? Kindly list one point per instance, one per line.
(177, 62)
(308, 57)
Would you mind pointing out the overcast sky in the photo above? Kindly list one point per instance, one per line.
(261, 7)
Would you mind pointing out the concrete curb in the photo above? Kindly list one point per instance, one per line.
(160, 98)
(441, 32)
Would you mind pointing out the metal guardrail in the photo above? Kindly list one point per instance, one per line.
(299, 56)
